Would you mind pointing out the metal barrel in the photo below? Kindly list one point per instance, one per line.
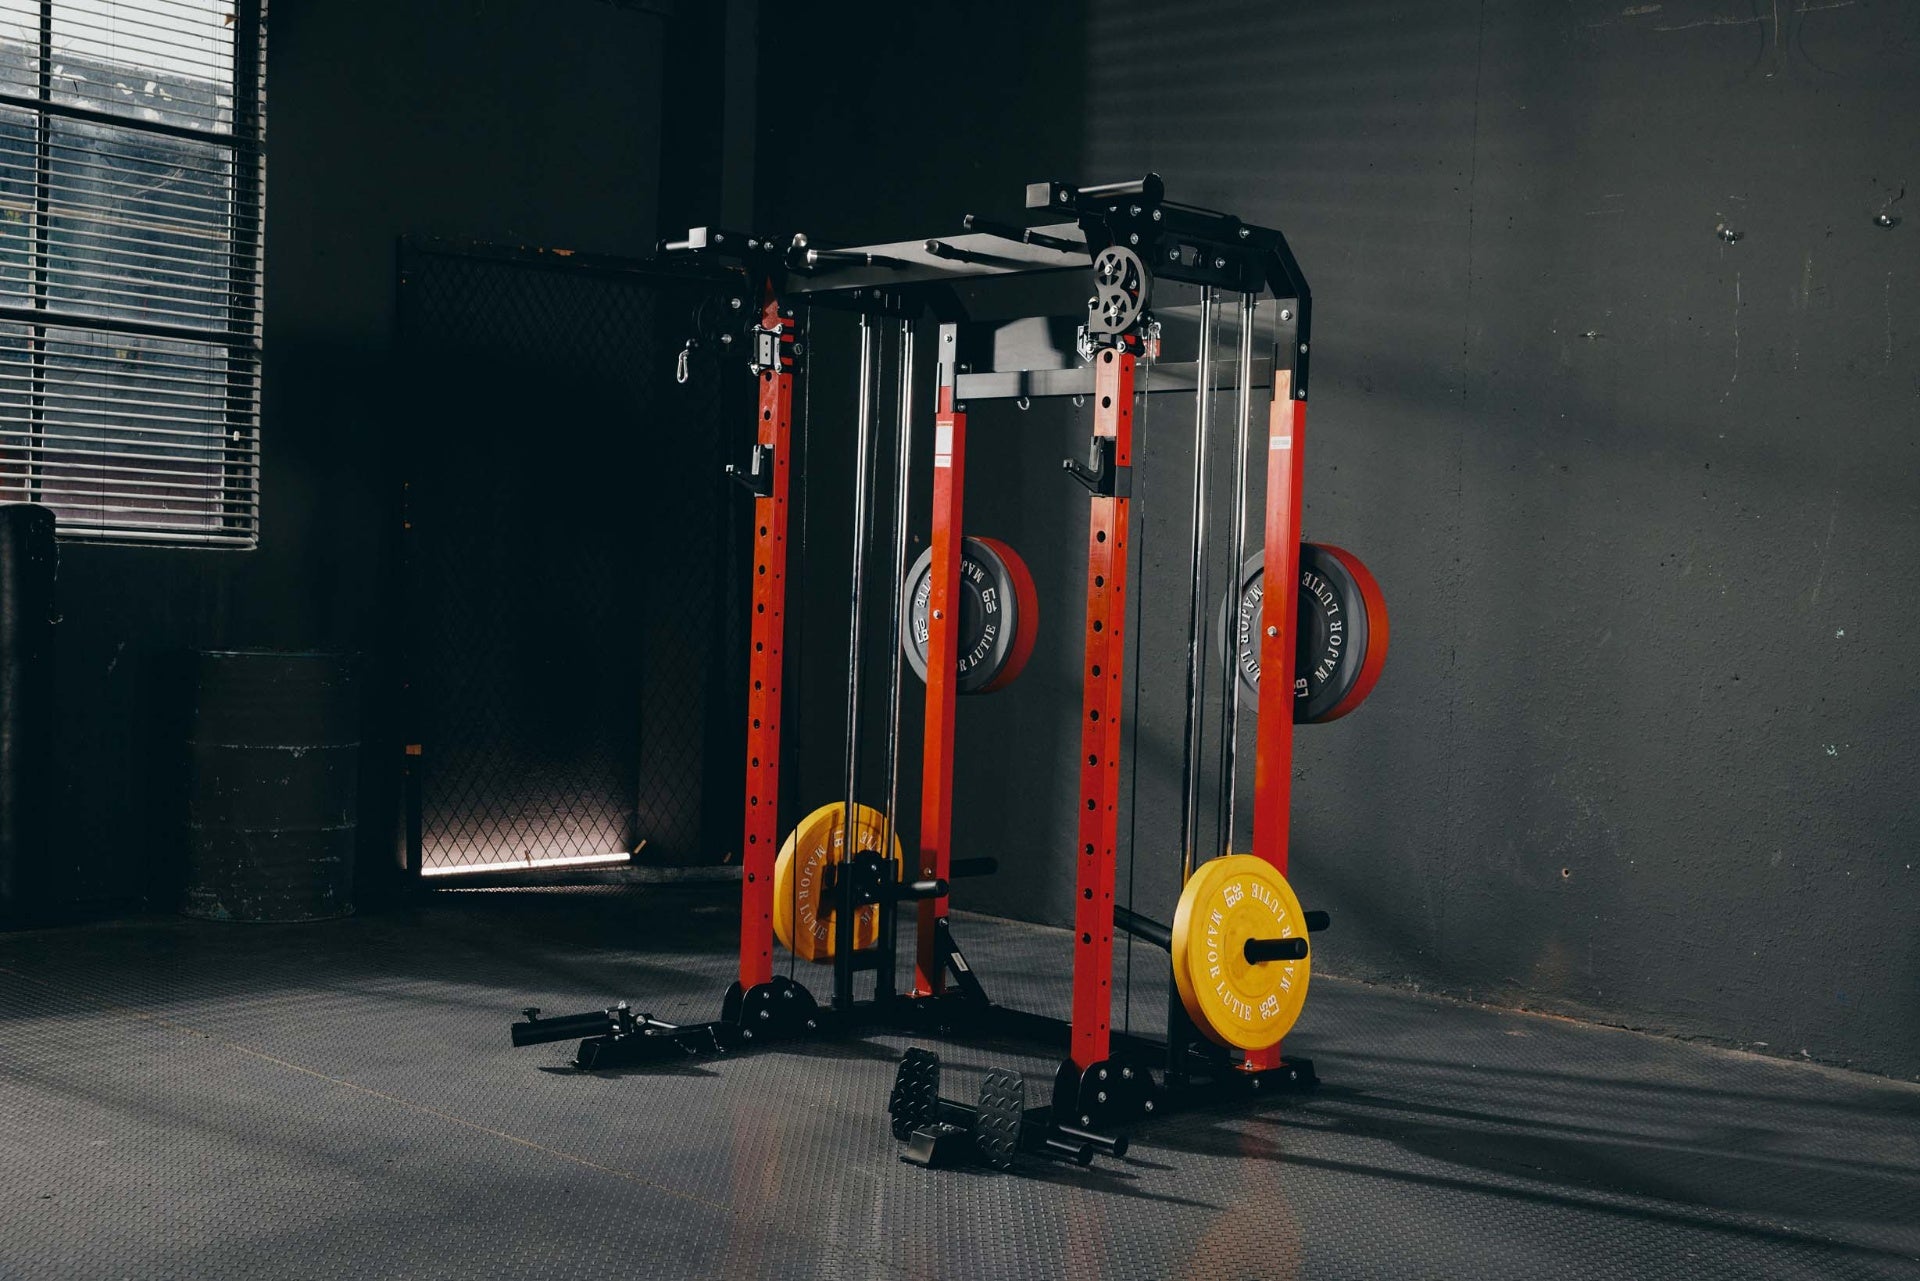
(273, 799)
(27, 562)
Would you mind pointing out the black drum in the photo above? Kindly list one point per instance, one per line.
(274, 791)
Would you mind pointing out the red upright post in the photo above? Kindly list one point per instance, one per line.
(766, 660)
(1101, 700)
(943, 658)
(1279, 612)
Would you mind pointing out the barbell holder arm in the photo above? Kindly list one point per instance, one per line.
(1101, 474)
(1261, 951)
(1317, 921)
(1143, 927)
(983, 865)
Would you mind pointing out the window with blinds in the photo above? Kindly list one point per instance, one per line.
(130, 206)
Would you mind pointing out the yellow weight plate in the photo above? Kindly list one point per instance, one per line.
(799, 871)
(1233, 1001)
(783, 877)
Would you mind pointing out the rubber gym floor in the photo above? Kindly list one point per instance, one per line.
(185, 1099)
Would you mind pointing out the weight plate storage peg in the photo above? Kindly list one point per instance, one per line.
(999, 615)
(802, 907)
(1235, 911)
(1340, 641)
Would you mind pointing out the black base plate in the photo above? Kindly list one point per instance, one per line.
(766, 1014)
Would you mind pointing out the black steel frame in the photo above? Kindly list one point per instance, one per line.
(1001, 352)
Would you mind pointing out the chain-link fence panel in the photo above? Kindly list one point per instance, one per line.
(569, 625)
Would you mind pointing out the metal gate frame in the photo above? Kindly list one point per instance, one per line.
(518, 760)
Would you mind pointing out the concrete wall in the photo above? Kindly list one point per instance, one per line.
(505, 120)
(1644, 502)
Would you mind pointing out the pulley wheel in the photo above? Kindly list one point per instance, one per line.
(799, 880)
(999, 615)
(1340, 639)
(1121, 286)
(1228, 901)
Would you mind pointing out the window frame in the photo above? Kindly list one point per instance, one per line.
(234, 512)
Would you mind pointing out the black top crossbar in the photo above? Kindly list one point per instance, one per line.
(941, 275)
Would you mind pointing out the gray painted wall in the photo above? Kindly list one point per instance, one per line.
(505, 120)
(1645, 503)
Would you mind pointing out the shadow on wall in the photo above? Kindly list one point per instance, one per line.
(1584, 443)
(1630, 487)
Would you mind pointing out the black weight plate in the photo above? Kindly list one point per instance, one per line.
(1331, 644)
(990, 619)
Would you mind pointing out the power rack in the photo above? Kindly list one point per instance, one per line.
(1116, 281)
